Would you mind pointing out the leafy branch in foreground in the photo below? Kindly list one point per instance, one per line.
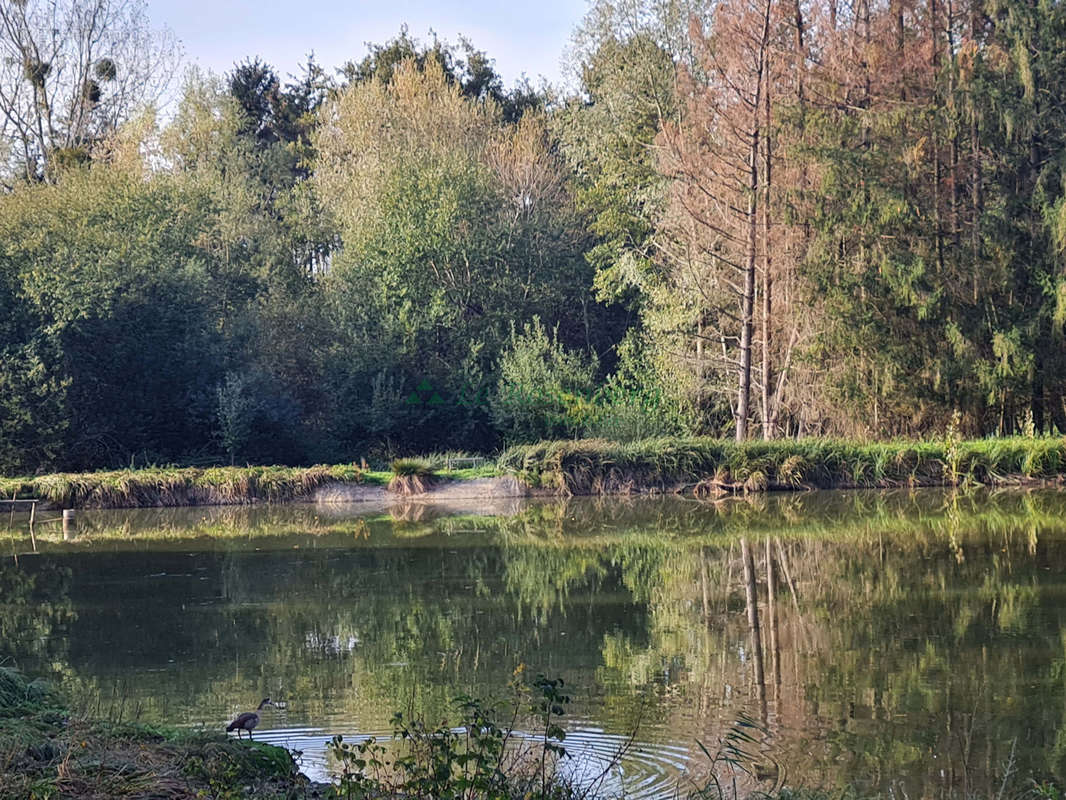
(483, 755)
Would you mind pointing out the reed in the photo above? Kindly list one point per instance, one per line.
(411, 476)
(177, 486)
(598, 466)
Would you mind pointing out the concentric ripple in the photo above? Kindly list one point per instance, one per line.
(644, 771)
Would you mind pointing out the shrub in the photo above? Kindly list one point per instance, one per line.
(544, 390)
(411, 476)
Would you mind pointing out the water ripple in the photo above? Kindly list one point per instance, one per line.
(644, 771)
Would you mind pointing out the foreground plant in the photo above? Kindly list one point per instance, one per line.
(483, 755)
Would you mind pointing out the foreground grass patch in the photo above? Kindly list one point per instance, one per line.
(44, 753)
(596, 466)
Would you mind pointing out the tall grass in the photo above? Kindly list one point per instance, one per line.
(411, 476)
(597, 466)
(178, 486)
(587, 466)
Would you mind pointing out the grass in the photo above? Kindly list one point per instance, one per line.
(712, 466)
(194, 486)
(411, 476)
(178, 486)
(46, 753)
(703, 466)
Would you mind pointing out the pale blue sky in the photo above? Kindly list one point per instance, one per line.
(523, 37)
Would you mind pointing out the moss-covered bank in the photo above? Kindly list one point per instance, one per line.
(46, 752)
(702, 465)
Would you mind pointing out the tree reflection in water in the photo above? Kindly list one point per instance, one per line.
(904, 640)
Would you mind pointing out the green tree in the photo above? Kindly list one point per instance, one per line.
(453, 224)
(119, 310)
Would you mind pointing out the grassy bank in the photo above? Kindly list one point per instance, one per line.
(194, 486)
(45, 752)
(587, 466)
(702, 465)
(174, 486)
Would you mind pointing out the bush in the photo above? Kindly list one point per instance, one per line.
(479, 755)
(544, 390)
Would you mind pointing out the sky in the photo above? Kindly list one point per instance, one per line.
(523, 36)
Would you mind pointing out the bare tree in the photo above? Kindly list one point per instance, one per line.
(70, 72)
(712, 156)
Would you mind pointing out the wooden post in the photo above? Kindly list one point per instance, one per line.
(33, 513)
(68, 524)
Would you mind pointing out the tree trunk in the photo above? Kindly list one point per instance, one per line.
(747, 312)
(768, 276)
(938, 225)
(748, 300)
(953, 108)
(975, 187)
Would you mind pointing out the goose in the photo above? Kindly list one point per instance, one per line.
(248, 720)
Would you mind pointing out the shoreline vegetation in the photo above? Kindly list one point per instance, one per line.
(48, 750)
(694, 466)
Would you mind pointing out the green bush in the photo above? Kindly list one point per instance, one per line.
(544, 390)
(476, 756)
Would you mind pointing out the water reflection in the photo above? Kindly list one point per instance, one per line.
(908, 641)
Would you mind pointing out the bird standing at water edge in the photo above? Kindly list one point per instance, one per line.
(248, 720)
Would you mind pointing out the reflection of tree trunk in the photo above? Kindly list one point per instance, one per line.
(751, 598)
(703, 586)
(771, 613)
(783, 559)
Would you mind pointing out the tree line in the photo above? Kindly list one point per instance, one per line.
(752, 218)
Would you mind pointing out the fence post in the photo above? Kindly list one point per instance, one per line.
(68, 523)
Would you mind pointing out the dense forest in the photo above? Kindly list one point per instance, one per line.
(745, 218)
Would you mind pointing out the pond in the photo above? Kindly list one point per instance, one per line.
(909, 641)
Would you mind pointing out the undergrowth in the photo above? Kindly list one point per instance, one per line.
(480, 755)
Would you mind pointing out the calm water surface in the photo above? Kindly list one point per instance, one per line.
(909, 641)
